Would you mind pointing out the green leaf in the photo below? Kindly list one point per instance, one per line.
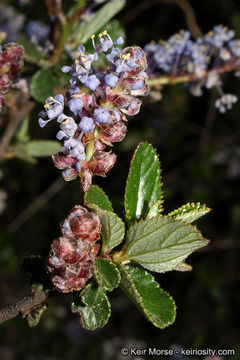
(97, 311)
(20, 151)
(182, 266)
(102, 16)
(22, 134)
(42, 84)
(107, 274)
(140, 286)
(113, 228)
(143, 183)
(40, 148)
(95, 195)
(35, 315)
(189, 212)
(31, 52)
(160, 244)
(154, 210)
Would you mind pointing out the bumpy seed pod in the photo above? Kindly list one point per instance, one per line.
(71, 263)
(82, 224)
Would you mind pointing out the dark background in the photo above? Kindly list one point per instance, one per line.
(200, 156)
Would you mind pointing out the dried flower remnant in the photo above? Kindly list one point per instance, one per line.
(71, 259)
(11, 62)
(200, 63)
(94, 118)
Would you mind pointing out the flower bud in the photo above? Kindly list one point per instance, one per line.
(102, 162)
(82, 224)
(62, 161)
(114, 133)
(70, 263)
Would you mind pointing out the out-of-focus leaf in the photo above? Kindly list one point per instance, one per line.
(31, 52)
(107, 274)
(20, 151)
(140, 286)
(42, 84)
(101, 17)
(41, 148)
(22, 134)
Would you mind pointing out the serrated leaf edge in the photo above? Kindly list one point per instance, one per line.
(98, 187)
(189, 207)
(97, 208)
(147, 314)
(99, 280)
(206, 241)
(128, 177)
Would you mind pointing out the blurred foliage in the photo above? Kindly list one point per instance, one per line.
(188, 135)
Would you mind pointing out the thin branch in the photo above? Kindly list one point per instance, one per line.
(22, 306)
(16, 117)
(55, 8)
(189, 16)
(38, 203)
(164, 80)
(183, 4)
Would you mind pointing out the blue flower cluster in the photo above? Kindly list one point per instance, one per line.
(201, 59)
(97, 102)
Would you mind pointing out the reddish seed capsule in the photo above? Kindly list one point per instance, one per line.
(62, 161)
(82, 224)
(70, 263)
(114, 133)
(102, 162)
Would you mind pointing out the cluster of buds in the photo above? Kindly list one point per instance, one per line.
(97, 104)
(200, 62)
(11, 62)
(71, 259)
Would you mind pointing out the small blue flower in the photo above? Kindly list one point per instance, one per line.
(71, 91)
(42, 122)
(75, 105)
(54, 106)
(66, 69)
(111, 80)
(119, 41)
(102, 115)
(92, 82)
(115, 54)
(78, 166)
(86, 124)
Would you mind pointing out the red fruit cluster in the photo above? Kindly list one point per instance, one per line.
(71, 259)
(11, 62)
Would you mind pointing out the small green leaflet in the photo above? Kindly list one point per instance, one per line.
(97, 309)
(95, 195)
(143, 184)
(140, 286)
(113, 228)
(189, 212)
(107, 274)
(35, 315)
(160, 244)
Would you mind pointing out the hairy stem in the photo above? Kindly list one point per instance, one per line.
(23, 305)
(164, 80)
